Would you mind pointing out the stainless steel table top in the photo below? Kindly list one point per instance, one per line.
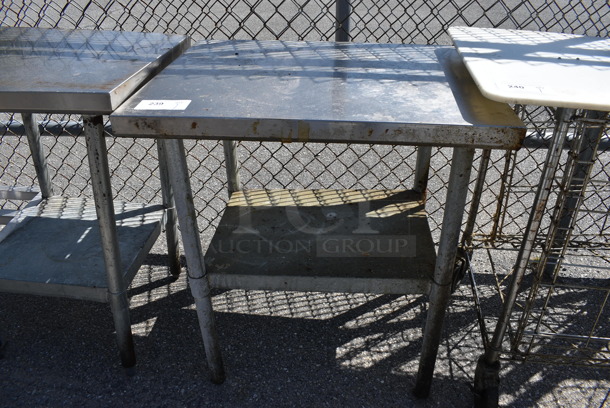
(538, 68)
(319, 92)
(78, 71)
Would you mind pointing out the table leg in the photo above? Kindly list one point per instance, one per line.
(488, 366)
(476, 200)
(230, 149)
(171, 228)
(38, 157)
(102, 193)
(422, 168)
(197, 276)
(443, 273)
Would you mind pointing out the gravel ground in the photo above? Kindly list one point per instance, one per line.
(285, 349)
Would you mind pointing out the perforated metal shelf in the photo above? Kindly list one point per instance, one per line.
(54, 248)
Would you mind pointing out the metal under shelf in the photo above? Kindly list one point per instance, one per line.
(54, 248)
(372, 241)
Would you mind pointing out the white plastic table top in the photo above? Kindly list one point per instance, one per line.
(537, 68)
(78, 71)
(319, 92)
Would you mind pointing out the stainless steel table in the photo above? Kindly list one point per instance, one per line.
(73, 247)
(324, 240)
(566, 71)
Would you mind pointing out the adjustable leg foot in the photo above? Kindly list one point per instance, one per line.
(486, 384)
(2, 348)
(130, 371)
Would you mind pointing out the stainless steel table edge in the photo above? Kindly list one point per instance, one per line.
(81, 102)
(312, 131)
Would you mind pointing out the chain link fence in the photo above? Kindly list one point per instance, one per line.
(510, 180)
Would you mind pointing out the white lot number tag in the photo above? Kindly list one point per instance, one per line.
(162, 104)
(521, 88)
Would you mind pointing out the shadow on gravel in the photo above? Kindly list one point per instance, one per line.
(323, 352)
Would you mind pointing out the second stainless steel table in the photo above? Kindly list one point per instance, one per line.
(335, 240)
(74, 247)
